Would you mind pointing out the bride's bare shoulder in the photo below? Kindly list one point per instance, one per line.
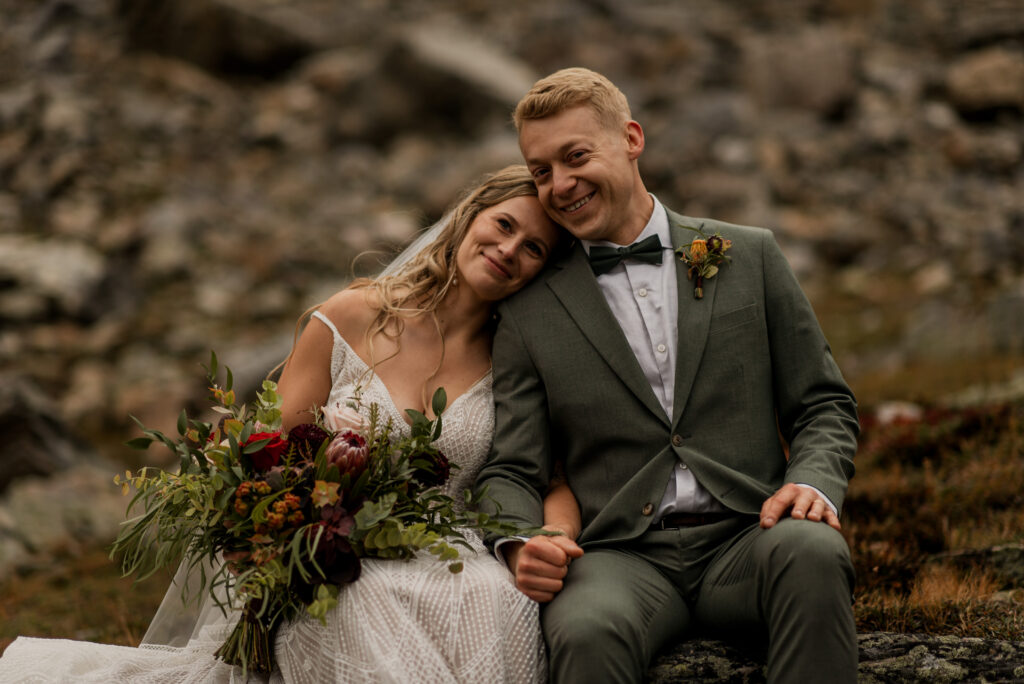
(351, 311)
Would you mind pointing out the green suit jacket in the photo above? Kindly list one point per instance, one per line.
(752, 364)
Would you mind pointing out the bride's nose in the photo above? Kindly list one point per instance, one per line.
(507, 247)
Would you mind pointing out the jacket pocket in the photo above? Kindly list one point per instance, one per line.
(733, 319)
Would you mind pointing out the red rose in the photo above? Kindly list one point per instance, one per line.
(270, 454)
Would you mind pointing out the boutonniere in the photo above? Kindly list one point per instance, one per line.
(703, 256)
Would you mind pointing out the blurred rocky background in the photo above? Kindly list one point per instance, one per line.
(178, 176)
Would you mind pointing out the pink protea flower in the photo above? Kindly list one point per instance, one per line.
(348, 452)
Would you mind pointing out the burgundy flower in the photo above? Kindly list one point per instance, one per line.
(334, 553)
(348, 452)
(432, 472)
(306, 439)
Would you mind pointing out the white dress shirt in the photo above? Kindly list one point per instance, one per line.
(644, 300)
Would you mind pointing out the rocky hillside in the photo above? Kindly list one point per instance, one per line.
(181, 175)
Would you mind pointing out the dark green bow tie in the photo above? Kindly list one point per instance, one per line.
(604, 259)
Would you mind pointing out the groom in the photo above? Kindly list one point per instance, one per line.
(668, 412)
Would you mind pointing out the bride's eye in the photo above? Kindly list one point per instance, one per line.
(505, 225)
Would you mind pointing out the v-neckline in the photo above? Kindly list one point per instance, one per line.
(387, 392)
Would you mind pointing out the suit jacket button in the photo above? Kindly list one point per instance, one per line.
(647, 509)
(677, 440)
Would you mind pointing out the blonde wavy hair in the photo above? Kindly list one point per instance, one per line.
(573, 87)
(419, 286)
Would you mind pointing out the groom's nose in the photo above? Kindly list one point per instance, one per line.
(562, 181)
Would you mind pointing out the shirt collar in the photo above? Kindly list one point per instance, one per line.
(657, 225)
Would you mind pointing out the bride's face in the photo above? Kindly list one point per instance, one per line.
(505, 247)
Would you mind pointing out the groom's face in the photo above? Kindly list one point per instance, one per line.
(586, 173)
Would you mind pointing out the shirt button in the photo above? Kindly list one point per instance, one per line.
(642, 292)
(647, 509)
(662, 348)
(682, 466)
(677, 440)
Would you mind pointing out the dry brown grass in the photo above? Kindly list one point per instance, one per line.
(950, 482)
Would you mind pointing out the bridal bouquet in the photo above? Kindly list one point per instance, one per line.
(285, 518)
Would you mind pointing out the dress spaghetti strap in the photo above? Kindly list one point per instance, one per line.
(326, 321)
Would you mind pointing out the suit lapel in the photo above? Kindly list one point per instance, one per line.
(694, 316)
(576, 288)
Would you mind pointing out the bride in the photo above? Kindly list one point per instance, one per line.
(425, 323)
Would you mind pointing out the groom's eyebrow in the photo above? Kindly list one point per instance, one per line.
(559, 153)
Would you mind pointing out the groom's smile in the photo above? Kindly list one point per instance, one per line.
(579, 203)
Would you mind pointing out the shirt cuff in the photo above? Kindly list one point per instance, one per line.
(497, 548)
(800, 484)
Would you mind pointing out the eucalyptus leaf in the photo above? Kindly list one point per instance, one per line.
(373, 512)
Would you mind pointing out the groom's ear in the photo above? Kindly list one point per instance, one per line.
(634, 140)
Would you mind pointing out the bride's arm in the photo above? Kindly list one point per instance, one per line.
(306, 379)
(561, 510)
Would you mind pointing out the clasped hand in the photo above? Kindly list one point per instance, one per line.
(802, 503)
(540, 564)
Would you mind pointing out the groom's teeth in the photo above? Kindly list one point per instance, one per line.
(576, 205)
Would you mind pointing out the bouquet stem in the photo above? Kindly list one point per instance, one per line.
(251, 642)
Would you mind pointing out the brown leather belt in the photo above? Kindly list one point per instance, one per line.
(674, 521)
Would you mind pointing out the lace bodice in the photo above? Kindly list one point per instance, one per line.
(467, 422)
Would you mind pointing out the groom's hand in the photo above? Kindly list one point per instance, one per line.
(541, 564)
(802, 503)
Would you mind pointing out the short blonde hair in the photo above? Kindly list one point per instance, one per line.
(573, 87)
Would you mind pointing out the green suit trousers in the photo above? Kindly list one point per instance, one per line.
(623, 604)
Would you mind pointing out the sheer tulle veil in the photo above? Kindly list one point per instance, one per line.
(177, 621)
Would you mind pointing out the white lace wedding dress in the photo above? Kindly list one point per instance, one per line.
(402, 621)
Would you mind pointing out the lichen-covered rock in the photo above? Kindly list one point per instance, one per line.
(885, 658)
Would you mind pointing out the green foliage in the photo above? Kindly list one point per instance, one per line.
(283, 529)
